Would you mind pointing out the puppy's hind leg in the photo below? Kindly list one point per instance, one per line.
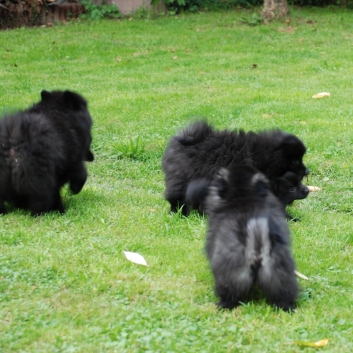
(234, 279)
(178, 203)
(277, 279)
(232, 293)
(39, 204)
(57, 202)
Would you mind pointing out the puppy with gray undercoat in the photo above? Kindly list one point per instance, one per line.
(248, 239)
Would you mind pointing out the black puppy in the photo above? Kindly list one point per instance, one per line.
(43, 148)
(248, 239)
(288, 189)
(199, 151)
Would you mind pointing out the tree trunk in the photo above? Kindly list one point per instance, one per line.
(274, 9)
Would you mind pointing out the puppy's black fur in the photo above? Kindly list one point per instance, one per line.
(248, 239)
(43, 148)
(199, 151)
(288, 189)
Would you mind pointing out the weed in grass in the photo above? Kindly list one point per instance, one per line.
(134, 149)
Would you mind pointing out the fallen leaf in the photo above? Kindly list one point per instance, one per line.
(322, 95)
(118, 58)
(288, 29)
(300, 275)
(202, 72)
(175, 57)
(317, 344)
(314, 188)
(198, 30)
(135, 258)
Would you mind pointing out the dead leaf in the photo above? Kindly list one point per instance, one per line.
(175, 57)
(288, 29)
(322, 95)
(202, 72)
(314, 188)
(118, 58)
(198, 29)
(317, 344)
(135, 258)
(300, 275)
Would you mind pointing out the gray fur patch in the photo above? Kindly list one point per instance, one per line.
(258, 243)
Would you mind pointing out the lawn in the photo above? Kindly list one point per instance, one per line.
(65, 284)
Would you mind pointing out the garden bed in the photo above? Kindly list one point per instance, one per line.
(15, 13)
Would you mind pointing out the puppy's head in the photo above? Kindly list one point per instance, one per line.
(236, 182)
(293, 150)
(290, 188)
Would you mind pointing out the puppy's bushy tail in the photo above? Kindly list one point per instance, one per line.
(258, 245)
(196, 194)
(195, 133)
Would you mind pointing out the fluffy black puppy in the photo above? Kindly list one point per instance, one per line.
(199, 151)
(288, 189)
(248, 239)
(43, 148)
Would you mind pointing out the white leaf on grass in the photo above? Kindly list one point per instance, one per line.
(314, 188)
(322, 95)
(135, 258)
(300, 275)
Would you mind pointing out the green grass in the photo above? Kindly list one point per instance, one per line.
(65, 285)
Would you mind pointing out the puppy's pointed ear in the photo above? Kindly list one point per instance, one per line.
(222, 182)
(74, 100)
(45, 95)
